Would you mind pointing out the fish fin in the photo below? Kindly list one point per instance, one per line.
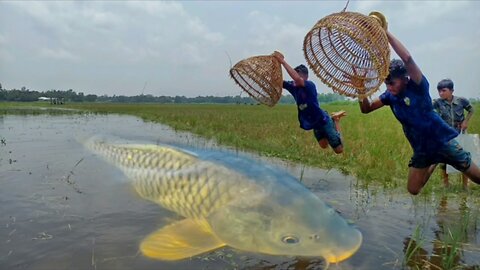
(180, 240)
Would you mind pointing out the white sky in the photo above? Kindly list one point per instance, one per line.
(180, 48)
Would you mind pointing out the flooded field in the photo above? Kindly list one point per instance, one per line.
(62, 207)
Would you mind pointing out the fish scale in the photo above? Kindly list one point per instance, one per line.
(187, 192)
(172, 178)
(148, 157)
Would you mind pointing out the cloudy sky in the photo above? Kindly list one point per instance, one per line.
(183, 48)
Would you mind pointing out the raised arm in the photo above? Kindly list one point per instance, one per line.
(357, 81)
(293, 74)
(412, 69)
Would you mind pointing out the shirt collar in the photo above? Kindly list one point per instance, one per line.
(455, 100)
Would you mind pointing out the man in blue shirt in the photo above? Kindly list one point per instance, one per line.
(311, 117)
(431, 138)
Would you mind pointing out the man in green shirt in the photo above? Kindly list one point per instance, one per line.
(452, 110)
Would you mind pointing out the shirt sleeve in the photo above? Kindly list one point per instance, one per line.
(289, 86)
(311, 88)
(385, 98)
(424, 85)
(466, 105)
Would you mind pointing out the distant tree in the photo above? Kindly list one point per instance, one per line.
(90, 98)
(71, 96)
(77, 97)
(287, 99)
(20, 95)
(180, 99)
(322, 98)
(330, 97)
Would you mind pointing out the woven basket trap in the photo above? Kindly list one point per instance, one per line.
(261, 77)
(341, 41)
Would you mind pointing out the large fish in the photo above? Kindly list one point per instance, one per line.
(228, 200)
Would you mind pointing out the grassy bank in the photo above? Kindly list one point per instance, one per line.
(375, 147)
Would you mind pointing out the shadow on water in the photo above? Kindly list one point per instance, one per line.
(64, 208)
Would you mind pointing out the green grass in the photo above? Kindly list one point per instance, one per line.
(447, 247)
(413, 247)
(375, 148)
(453, 237)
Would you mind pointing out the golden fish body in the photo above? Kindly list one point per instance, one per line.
(228, 200)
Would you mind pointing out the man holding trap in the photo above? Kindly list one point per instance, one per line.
(431, 138)
(326, 129)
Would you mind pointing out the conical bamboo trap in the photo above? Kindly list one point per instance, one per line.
(349, 44)
(261, 77)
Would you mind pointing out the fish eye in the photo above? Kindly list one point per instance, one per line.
(290, 239)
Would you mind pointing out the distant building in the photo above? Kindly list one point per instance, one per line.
(57, 101)
(52, 100)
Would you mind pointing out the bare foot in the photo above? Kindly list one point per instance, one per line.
(337, 115)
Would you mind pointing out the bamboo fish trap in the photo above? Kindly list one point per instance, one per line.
(261, 77)
(349, 45)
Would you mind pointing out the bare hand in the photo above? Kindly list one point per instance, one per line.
(463, 126)
(356, 81)
(278, 55)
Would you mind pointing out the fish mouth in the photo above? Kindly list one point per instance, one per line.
(345, 253)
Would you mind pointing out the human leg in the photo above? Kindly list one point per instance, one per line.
(336, 116)
(461, 160)
(473, 172)
(332, 132)
(323, 143)
(421, 168)
(443, 168)
(321, 137)
(417, 178)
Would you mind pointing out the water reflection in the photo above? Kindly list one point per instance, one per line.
(456, 225)
(249, 261)
(37, 111)
(298, 264)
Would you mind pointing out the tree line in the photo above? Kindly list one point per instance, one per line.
(26, 95)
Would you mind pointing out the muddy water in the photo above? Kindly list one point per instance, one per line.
(61, 207)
